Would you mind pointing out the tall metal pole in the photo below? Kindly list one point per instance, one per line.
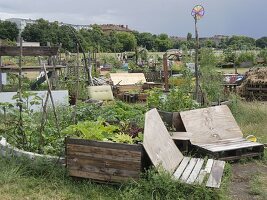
(196, 60)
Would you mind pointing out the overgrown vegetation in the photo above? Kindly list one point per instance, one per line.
(42, 180)
(116, 121)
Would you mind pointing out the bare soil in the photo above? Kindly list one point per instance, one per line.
(242, 181)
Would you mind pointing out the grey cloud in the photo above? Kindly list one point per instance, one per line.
(241, 17)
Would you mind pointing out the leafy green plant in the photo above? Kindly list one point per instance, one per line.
(92, 130)
(178, 99)
(122, 138)
(246, 57)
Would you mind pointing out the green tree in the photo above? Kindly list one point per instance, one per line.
(8, 30)
(41, 32)
(127, 40)
(189, 36)
(229, 55)
(163, 42)
(207, 57)
(209, 44)
(146, 40)
(239, 42)
(262, 42)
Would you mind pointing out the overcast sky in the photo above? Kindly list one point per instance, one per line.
(228, 17)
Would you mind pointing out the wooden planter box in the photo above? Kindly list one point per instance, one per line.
(104, 161)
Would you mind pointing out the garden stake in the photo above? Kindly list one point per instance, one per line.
(52, 100)
(20, 128)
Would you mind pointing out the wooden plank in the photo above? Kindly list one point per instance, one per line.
(226, 141)
(177, 174)
(127, 78)
(216, 174)
(112, 145)
(210, 124)
(209, 165)
(201, 177)
(98, 162)
(234, 146)
(104, 153)
(28, 51)
(30, 68)
(194, 174)
(99, 176)
(246, 155)
(189, 169)
(105, 170)
(158, 144)
(180, 135)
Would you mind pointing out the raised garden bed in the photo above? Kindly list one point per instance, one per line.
(104, 161)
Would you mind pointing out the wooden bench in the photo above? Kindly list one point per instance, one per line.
(215, 132)
(163, 152)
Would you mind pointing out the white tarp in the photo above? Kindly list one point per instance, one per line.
(61, 97)
(4, 78)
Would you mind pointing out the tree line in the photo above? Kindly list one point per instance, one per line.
(95, 39)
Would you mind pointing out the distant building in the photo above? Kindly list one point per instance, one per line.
(216, 38)
(107, 28)
(21, 23)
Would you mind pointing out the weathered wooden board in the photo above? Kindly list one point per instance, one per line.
(189, 169)
(201, 177)
(103, 161)
(180, 135)
(158, 144)
(30, 68)
(215, 177)
(209, 125)
(232, 146)
(209, 165)
(221, 142)
(127, 78)
(179, 171)
(194, 174)
(28, 51)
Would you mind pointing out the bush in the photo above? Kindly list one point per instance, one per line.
(246, 57)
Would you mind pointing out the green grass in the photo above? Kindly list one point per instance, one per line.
(252, 118)
(255, 185)
(24, 179)
(232, 70)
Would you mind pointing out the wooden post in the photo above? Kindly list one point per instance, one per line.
(20, 128)
(77, 84)
(166, 73)
(1, 80)
(196, 60)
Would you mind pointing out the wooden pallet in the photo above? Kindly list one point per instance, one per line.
(214, 132)
(163, 152)
(232, 149)
(194, 171)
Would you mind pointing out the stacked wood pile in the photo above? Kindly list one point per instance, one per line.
(255, 84)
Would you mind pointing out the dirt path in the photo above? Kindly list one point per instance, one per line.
(249, 181)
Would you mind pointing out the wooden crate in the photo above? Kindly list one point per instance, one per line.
(104, 161)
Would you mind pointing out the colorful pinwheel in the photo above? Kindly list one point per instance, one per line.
(198, 12)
